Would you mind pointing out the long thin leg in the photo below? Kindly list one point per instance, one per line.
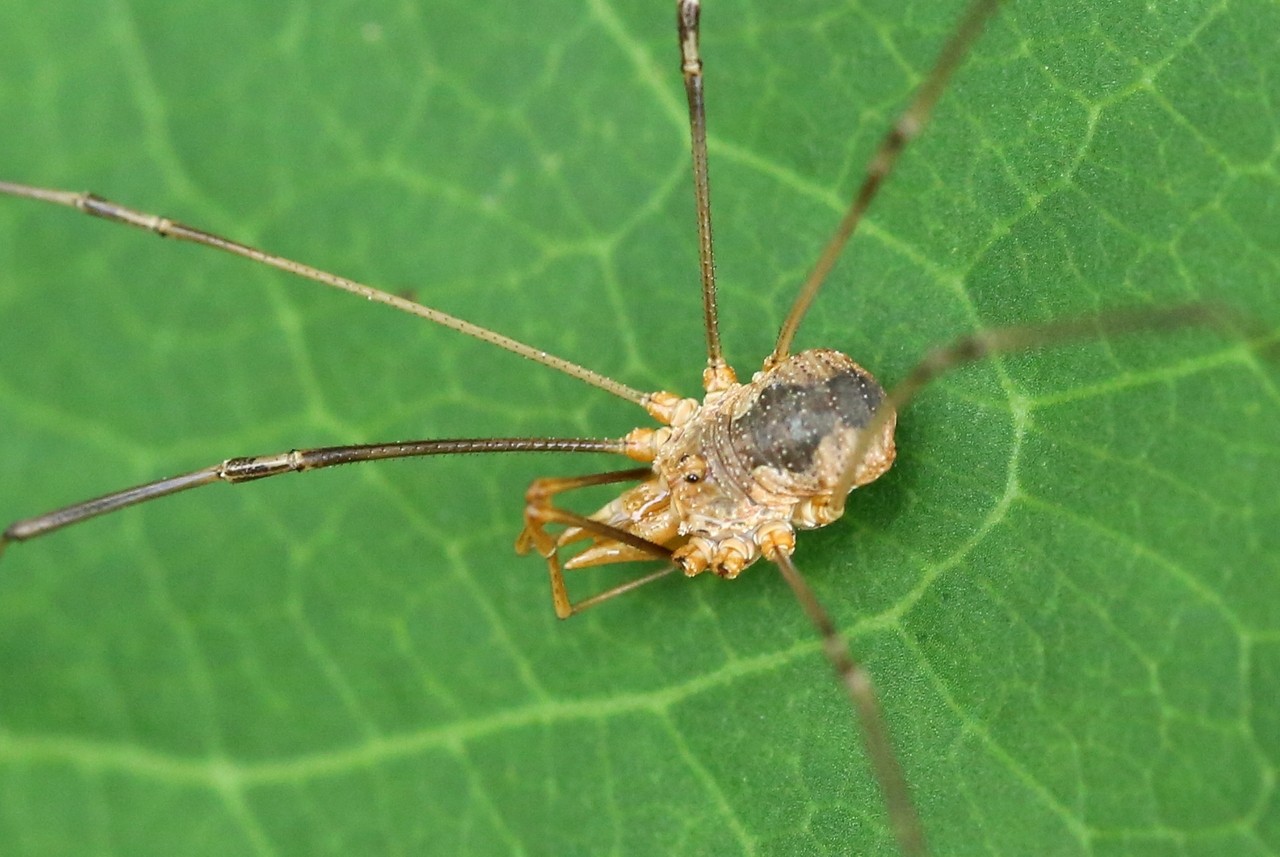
(985, 343)
(718, 374)
(620, 589)
(559, 593)
(903, 131)
(968, 349)
(856, 681)
(166, 228)
(236, 470)
(539, 512)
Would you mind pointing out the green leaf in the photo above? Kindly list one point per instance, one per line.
(1066, 590)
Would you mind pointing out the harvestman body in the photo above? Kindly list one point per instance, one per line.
(726, 480)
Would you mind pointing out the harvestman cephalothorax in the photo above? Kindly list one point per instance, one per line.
(723, 481)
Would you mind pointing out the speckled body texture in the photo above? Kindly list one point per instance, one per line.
(751, 464)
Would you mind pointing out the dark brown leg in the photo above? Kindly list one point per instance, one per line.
(236, 470)
(904, 130)
(718, 375)
(1000, 340)
(856, 682)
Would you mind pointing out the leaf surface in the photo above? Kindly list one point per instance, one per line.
(1066, 590)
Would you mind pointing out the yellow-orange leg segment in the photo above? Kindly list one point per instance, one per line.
(538, 512)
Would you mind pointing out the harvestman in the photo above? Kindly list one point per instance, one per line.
(726, 480)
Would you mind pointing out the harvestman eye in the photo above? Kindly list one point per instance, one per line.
(718, 482)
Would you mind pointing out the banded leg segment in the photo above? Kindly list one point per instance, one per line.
(539, 512)
(236, 470)
(904, 130)
(1001, 340)
(718, 375)
(856, 681)
(164, 227)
